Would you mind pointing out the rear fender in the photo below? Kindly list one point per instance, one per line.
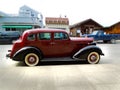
(20, 54)
(82, 53)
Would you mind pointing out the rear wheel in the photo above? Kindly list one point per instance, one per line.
(113, 41)
(93, 58)
(106, 41)
(31, 59)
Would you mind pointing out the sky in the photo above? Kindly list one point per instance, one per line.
(105, 12)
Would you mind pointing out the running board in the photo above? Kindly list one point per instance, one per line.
(62, 59)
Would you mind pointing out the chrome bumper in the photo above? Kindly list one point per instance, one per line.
(7, 55)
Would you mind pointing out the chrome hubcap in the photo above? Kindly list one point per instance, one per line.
(32, 59)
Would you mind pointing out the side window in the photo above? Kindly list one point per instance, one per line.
(44, 36)
(31, 37)
(60, 36)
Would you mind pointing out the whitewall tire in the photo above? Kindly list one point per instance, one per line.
(93, 58)
(31, 59)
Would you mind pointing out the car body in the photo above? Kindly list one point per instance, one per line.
(101, 35)
(36, 44)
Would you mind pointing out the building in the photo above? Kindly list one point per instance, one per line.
(57, 23)
(26, 19)
(84, 27)
(113, 29)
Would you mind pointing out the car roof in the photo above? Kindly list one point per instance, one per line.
(44, 30)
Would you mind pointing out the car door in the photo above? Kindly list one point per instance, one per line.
(44, 43)
(61, 44)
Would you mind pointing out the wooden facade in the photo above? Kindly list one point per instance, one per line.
(114, 29)
(57, 23)
(84, 27)
(53, 20)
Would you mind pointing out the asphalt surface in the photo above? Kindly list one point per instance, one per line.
(62, 75)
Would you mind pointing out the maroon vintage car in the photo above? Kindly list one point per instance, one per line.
(36, 44)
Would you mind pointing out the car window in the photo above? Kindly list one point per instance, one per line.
(31, 37)
(44, 36)
(60, 36)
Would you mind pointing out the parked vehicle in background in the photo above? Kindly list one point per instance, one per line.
(101, 35)
(7, 37)
(36, 44)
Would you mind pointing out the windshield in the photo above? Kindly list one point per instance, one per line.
(94, 33)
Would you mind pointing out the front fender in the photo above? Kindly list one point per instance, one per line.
(82, 53)
(20, 54)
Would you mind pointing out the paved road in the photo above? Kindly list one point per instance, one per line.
(62, 76)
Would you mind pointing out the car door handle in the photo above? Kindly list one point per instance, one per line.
(52, 43)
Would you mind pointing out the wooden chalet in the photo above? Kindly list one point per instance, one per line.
(84, 27)
(113, 29)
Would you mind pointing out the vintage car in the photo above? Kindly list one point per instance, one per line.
(36, 44)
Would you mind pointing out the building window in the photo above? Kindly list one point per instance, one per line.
(7, 29)
(13, 29)
(55, 22)
(63, 22)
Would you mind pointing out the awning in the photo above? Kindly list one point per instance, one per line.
(17, 26)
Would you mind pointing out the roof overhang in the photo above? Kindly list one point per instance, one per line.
(16, 26)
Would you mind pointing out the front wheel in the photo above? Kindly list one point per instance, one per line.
(31, 59)
(93, 58)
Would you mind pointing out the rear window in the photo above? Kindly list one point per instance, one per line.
(60, 36)
(31, 37)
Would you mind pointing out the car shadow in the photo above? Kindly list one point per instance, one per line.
(52, 63)
(62, 63)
